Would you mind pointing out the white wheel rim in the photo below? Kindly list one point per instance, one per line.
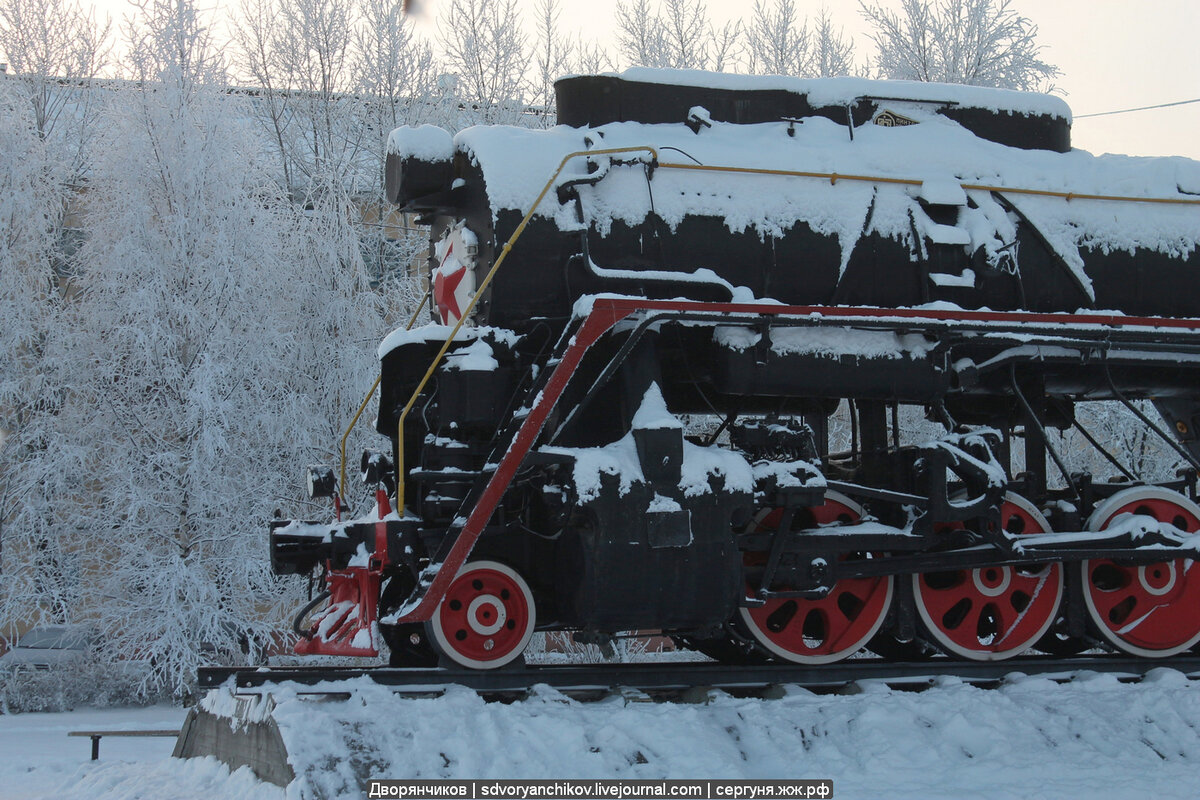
(497, 607)
(1150, 588)
(992, 591)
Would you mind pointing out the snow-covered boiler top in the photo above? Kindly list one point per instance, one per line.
(657, 96)
(825, 191)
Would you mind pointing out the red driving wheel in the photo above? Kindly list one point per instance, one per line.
(827, 629)
(992, 613)
(1150, 610)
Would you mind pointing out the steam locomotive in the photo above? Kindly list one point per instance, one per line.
(777, 368)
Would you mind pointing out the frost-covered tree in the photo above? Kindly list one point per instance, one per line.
(30, 210)
(976, 42)
(395, 82)
(312, 42)
(675, 34)
(591, 57)
(776, 39)
(47, 116)
(482, 43)
(214, 343)
(56, 49)
(1138, 450)
(724, 46)
(256, 62)
(778, 42)
(553, 54)
(394, 70)
(640, 39)
(163, 336)
(685, 29)
(830, 52)
(30, 312)
(297, 57)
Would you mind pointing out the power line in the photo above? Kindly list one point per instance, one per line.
(1143, 108)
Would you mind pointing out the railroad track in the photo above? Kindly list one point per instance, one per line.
(675, 678)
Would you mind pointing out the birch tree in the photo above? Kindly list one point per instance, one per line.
(47, 117)
(256, 61)
(215, 341)
(591, 57)
(976, 42)
(779, 42)
(777, 39)
(640, 38)
(553, 54)
(685, 33)
(830, 53)
(675, 34)
(56, 49)
(30, 313)
(482, 43)
(298, 55)
(394, 70)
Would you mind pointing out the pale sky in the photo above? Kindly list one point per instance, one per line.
(1114, 54)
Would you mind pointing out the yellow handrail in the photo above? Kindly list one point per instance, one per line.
(1073, 196)
(479, 293)
(834, 177)
(411, 321)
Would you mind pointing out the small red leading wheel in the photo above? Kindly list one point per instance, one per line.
(992, 613)
(486, 618)
(827, 629)
(1150, 610)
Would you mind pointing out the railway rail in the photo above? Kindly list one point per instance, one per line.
(673, 679)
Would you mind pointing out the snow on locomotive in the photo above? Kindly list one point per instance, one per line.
(776, 258)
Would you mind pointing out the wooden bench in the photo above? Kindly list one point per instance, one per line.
(97, 735)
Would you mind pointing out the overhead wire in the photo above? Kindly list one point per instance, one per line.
(1140, 108)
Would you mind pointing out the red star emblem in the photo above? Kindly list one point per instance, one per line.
(444, 287)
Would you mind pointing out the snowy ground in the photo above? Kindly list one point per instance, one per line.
(1029, 739)
(39, 760)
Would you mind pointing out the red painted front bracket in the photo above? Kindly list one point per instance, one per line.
(346, 626)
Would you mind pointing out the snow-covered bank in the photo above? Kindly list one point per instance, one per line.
(1030, 738)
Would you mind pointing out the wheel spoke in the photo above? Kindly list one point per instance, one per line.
(942, 593)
